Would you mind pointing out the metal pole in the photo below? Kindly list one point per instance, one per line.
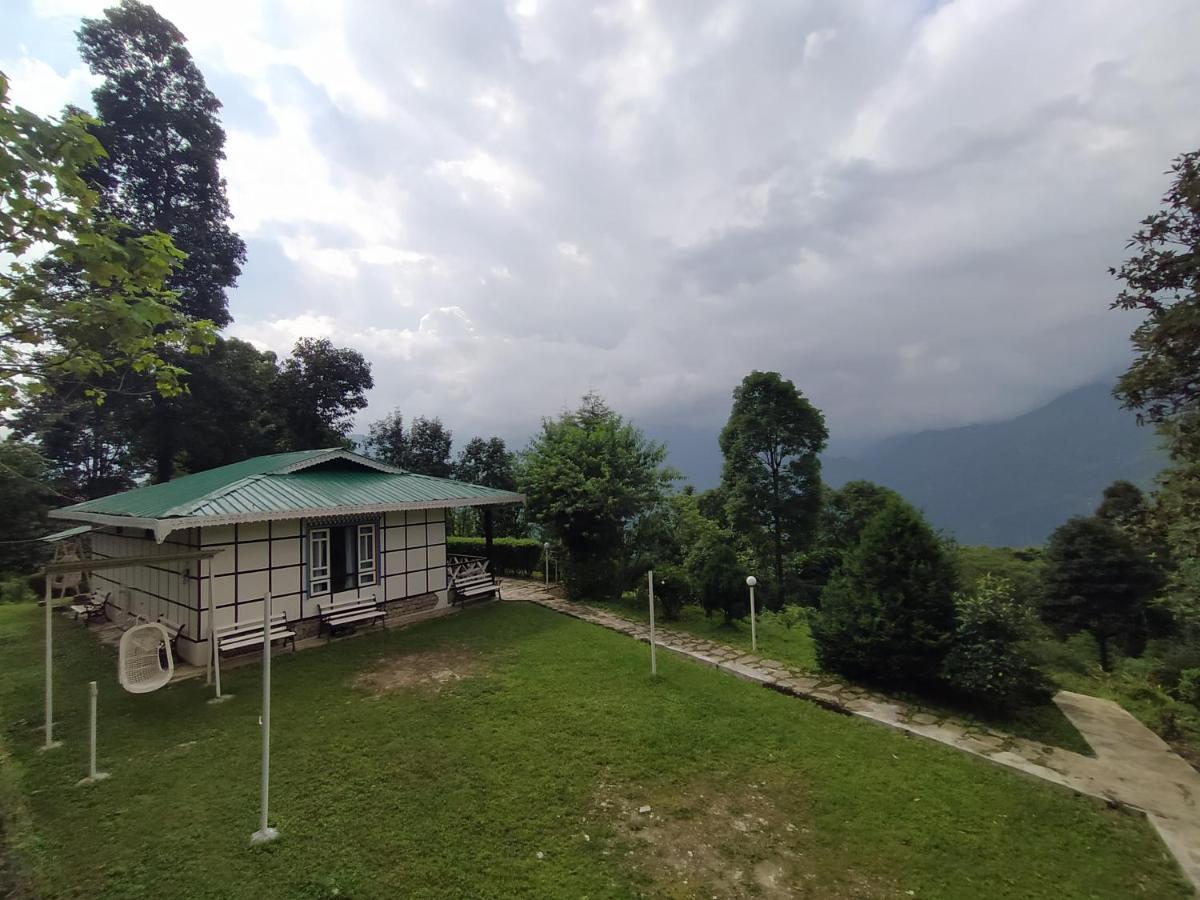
(50, 742)
(653, 659)
(753, 628)
(208, 667)
(546, 547)
(92, 739)
(93, 776)
(265, 832)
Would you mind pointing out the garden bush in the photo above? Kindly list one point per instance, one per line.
(788, 618)
(673, 590)
(15, 589)
(510, 556)
(888, 613)
(989, 660)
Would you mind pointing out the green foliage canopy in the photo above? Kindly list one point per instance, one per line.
(771, 476)
(587, 477)
(82, 298)
(989, 660)
(1096, 580)
(888, 613)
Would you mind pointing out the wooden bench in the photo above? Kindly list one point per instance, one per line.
(250, 634)
(470, 579)
(345, 613)
(90, 606)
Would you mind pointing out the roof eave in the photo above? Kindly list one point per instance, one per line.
(164, 527)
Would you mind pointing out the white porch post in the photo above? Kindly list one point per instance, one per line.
(208, 663)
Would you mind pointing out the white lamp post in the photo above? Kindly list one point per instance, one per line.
(546, 547)
(751, 581)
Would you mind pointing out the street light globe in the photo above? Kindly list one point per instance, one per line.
(546, 545)
(751, 581)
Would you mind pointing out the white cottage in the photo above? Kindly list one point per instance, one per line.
(312, 527)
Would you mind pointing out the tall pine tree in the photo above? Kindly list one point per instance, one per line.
(159, 123)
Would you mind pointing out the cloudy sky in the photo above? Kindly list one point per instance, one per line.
(908, 208)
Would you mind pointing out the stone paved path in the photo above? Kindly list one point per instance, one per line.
(1132, 766)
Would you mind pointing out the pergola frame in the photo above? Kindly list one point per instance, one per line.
(89, 565)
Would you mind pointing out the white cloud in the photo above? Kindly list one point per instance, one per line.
(35, 85)
(907, 208)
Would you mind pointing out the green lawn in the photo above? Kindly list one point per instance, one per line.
(1043, 723)
(519, 771)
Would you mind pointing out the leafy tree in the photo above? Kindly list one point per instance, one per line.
(159, 123)
(490, 463)
(1163, 281)
(587, 477)
(673, 590)
(888, 613)
(429, 443)
(82, 299)
(1096, 580)
(318, 389)
(1124, 505)
(230, 410)
(387, 440)
(487, 462)
(772, 473)
(25, 500)
(989, 660)
(1176, 523)
(848, 509)
(423, 447)
(89, 450)
(717, 574)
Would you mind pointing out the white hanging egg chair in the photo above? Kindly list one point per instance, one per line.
(144, 662)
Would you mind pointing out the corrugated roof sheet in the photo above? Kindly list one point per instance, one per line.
(326, 479)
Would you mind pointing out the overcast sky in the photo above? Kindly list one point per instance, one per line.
(908, 208)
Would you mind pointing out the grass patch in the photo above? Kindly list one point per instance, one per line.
(1043, 723)
(487, 786)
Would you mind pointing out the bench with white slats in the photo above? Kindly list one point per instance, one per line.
(346, 613)
(475, 584)
(250, 634)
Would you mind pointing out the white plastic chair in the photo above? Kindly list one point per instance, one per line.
(140, 666)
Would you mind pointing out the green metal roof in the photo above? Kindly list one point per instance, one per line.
(282, 485)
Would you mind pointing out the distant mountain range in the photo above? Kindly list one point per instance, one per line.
(1007, 483)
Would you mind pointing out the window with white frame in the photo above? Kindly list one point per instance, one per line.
(342, 557)
(318, 561)
(366, 555)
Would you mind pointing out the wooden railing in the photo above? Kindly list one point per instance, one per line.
(460, 566)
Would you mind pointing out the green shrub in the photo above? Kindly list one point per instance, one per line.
(673, 590)
(16, 589)
(787, 618)
(716, 576)
(1188, 688)
(988, 660)
(1077, 654)
(888, 613)
(510, 556)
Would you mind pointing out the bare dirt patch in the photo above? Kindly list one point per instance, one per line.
(428, 670)
(726, 840)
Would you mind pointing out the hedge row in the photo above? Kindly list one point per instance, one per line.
(510, 556)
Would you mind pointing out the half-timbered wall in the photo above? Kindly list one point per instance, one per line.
(256, 557)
